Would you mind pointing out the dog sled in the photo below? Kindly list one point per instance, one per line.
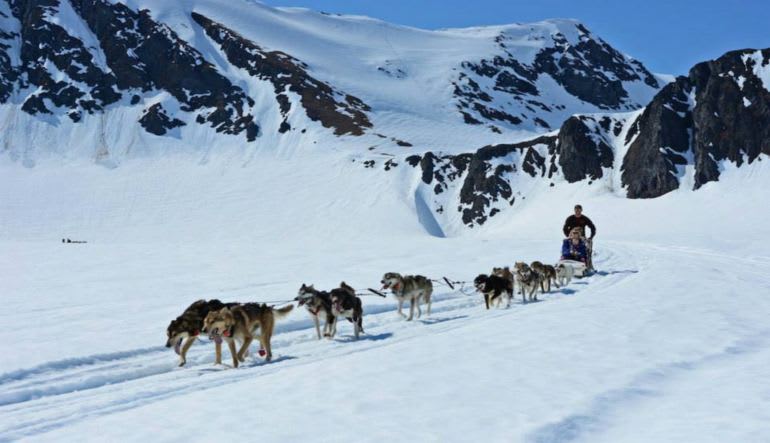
(579, 269)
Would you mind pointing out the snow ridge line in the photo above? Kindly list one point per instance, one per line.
(70, 363)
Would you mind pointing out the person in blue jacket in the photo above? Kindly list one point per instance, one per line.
(573, 247)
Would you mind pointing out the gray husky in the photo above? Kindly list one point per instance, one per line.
(409, 287)
(529, 281)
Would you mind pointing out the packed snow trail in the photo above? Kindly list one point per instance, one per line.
(58, 393)
(623, 313)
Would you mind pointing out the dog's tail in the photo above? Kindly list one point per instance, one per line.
(282, 312)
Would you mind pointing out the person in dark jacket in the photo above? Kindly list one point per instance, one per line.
(578, 220)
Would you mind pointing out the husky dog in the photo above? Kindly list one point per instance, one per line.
(346, 304)
(506, 274)
(548, 274)
(241, 323)
(189, 325)
(564, 273)
(319, 305)
(494, 288)
(528, 279)
(409, 287)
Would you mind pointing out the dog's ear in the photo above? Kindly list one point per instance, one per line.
(227, 316)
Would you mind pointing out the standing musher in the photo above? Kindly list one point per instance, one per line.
(578, 220)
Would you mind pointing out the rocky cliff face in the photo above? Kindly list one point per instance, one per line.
(82, 56)
(494, 177)
(515, 89)
(719, 112)
(344, 113)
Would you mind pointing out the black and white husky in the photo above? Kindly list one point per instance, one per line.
(495, 289)
(345, 304)
(414, 288)
(319, 305)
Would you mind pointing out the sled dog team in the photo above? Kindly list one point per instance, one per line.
(245, 322)
(498, 286)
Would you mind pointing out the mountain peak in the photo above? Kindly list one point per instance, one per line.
(249, 75)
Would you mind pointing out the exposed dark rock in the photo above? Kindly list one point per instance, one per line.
(730, 121)
(583, 152)
(589, 69)
(413, 160)
(9, 37)
(649, 167)
(486, 174)
(428, 164)
(720, 111)
(156, 121)
(485, 183)
(468, 119)
(343, 112)
(43, 41)
(146, 55)
(542, 123)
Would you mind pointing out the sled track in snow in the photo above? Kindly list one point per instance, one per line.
(58, 393)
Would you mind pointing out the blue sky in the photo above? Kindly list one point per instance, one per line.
(667, 36)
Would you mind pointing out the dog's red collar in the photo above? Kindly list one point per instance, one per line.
(314, 312)
(196, 333)
(397, 286)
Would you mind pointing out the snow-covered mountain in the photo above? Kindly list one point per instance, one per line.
(695, 127)
(492, 115)
(112, 80)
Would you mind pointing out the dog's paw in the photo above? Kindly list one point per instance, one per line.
(182, 363)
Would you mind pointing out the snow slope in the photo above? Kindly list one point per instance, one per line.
(409, 77)
(667, 343)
